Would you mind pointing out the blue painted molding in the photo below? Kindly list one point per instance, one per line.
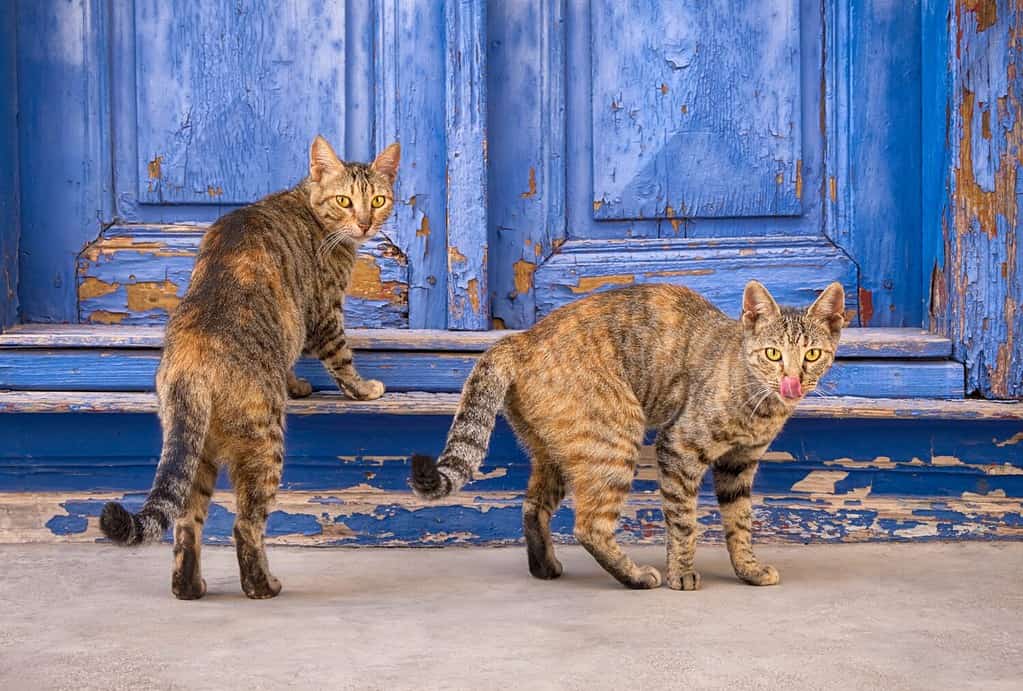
(10, 197)
(465, 127)
(410, 108)
(977, 286)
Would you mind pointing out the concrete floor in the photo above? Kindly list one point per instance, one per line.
(845, 616)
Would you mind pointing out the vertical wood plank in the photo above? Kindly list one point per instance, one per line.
(526, 131)
(409, 108)
(10, 209)
(465, 126)
(978, 294)
(63, 145)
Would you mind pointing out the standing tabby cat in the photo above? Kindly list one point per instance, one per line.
(268, 284)
(582, 386)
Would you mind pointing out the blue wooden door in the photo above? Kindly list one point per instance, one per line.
(703, 142)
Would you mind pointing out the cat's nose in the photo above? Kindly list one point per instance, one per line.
(364, 228)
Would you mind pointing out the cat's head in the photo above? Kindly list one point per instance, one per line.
(351, 200)
(788, 350)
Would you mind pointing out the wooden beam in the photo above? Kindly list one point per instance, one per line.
(10, 206)
(977, 279)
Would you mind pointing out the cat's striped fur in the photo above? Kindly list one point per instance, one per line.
(583, 385)
(268, 284)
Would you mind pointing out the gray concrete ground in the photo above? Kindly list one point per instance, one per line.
(845, 616)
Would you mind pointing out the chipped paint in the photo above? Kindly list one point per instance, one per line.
(423, 230)
(866, 306)
(820, 481)
(106, 317)
(676, 223)
(524, 276)
(214, 192)
(799, 179)
(142, 296)
(832, 188)
(531, 192)
(472, 287)
(597, 203)
(454, 256)
(1011, 441)
(154, 168)
(986, 12)
(587, 284)
(366, 283)
(95, 288)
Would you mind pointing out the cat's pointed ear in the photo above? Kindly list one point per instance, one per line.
(757, 303)
(322, 159)
(387, 162)
(829, 308)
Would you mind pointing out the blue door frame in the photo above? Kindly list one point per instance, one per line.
(918, 203)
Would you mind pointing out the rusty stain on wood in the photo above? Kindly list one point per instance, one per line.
(597, 203)
(152, 296)
(664, 89)
(366, 283)
(866, 306)
(154, 168)
(472, 286)
(832, 188)
(523, 276)
(532, 185)
(799, 179)
(588, 284)
(94, 288)
(986, 12)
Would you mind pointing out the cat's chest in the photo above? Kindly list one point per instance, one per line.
(756, 431)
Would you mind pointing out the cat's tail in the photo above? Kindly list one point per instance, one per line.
(469, 437)
(185, 413)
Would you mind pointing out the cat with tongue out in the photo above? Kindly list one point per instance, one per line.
(583, 385)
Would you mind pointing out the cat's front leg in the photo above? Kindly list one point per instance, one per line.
(331, 347)
(682, 467)
(733, 482)
(298, 387)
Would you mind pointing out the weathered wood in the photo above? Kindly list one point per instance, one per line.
(398, 519)
(856, 342)
(465, 128)
(135, 370)
(794, 269)
(10, 197)
(423, 403)
(526, 205)
(62, 100)
(409, 108)
(136, 275)
(663, 144)
(977, 282)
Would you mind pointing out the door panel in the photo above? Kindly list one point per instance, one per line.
(696, 109)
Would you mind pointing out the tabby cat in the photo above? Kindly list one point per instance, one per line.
(268, 285)
(583, 385)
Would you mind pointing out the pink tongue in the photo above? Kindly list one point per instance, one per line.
(791, 388)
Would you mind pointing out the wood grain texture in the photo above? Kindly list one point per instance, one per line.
(856, 342)
(63, 147)
(135, 275)
(465, 129)
(135, 370)
(228, 89)
(10, 195)
(422, 403)
(410, 108)
(494, 518)
(670, 136)
(526, 135)
(978, 289)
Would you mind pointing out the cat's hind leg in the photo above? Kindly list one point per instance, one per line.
(298, 387)
(256, 462)
(187, 582)
(543, 495)
(681, 468)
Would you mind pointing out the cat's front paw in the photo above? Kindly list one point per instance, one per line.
(368, 390)
(645, 578)
(684, 580)
(760, 575)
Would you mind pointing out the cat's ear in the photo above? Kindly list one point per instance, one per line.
(322, 159)
(756, 304)
(387, 162)
(829, 308)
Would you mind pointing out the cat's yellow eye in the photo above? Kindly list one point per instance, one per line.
(378, 201)
(813, 355)
(343, 201)
(772, 354)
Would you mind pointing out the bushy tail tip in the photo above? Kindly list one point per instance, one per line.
(427, 481)
(126, 528)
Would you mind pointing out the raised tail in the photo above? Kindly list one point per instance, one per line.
(469, 436)
(185, 414)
